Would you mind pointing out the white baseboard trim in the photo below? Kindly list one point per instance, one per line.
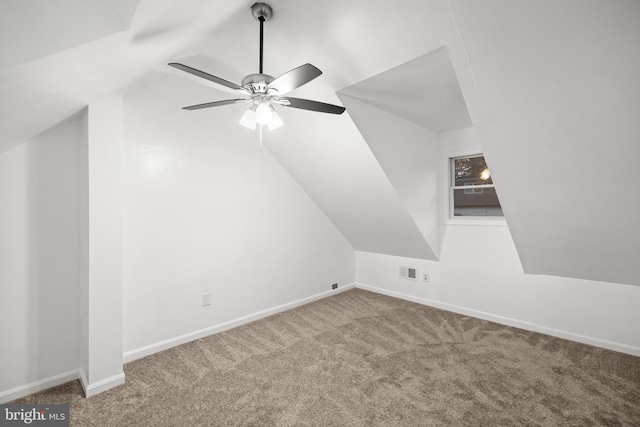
(584, 339)
(132, 355)
(529, 326)
(35, 387)
(100, 386)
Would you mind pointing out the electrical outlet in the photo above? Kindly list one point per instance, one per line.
(425, 277)
(206, 299)
(334, 286)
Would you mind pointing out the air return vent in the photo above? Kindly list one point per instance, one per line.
(410, 273)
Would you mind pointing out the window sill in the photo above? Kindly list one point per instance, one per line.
(483, 222)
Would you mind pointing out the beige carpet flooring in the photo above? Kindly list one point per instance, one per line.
(363, 359)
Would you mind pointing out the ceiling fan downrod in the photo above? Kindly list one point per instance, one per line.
(262, 12)
(261, 41)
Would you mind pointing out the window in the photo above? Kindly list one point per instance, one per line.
(472, 193)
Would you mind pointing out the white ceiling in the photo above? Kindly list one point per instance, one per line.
(37, 28)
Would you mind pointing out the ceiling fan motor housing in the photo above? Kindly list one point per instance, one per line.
(257, 83)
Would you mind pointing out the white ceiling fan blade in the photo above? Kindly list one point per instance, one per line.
(307, 104)
(215, 104)
(209, 77)
(294, 79)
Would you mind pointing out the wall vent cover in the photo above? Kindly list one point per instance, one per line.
(410, 273)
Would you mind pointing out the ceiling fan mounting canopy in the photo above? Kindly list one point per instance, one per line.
(262, 89)
(261, 10)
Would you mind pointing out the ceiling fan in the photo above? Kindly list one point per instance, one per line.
(263, 90)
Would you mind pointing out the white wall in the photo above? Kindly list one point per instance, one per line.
(208, 210)
(480, 274)
(40, 259)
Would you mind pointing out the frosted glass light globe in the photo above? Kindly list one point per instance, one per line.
(263, 114)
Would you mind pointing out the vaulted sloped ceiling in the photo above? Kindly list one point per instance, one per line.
(76, 68)
(424, 91)
(409, 156)
(551, 88)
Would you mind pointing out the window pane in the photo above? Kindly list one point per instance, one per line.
(476, 202)
(471, 171)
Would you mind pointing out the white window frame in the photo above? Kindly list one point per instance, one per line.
(448, 190)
